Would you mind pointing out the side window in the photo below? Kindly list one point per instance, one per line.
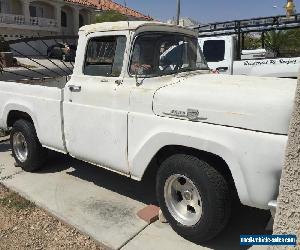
(214, 50)
(104, 56)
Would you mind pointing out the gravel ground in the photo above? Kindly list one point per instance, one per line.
(25, 226)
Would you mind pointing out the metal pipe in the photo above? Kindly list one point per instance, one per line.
(239, 41)
(178, 12)
(243, 41)
(260, 24)
(246, 31)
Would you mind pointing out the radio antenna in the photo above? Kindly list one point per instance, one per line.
(127, 17)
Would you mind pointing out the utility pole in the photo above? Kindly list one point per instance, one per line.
(178, 12)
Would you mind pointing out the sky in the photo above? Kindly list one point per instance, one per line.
(206, 11)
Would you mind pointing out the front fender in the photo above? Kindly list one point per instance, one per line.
(152, 145)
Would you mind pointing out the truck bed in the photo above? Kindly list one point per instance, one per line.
(41, 99)
(59, 82)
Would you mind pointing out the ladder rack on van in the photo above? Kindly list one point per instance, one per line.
(254, 25)
(262, 24)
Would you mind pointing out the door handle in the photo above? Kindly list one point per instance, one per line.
(74, 88)
(222, 69)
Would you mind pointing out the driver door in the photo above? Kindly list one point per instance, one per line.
(97, 103)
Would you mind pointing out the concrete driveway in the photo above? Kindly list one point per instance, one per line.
(103, 205)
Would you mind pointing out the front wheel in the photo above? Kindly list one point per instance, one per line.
(194, 197)
(26, 148)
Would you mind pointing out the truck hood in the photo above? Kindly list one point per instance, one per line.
(254, 103)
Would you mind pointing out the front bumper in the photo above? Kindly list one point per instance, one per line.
(273, 205)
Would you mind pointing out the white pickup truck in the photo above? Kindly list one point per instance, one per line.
(128, 107)
(221, 55)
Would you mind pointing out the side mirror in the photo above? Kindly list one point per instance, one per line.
(136, 69)
(136, 78)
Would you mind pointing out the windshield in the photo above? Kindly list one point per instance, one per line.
(164, 54)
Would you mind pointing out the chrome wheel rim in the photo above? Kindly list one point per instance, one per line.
(20, 146)
(183, 200)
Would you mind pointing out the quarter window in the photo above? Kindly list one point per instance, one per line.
(104, 56)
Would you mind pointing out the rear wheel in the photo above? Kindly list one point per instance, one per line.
(194, 197)
(26, 148)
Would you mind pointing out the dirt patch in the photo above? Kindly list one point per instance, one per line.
(25, 226)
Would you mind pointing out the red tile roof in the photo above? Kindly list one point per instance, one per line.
(110, 5)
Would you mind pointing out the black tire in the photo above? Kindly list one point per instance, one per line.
(37, 155)
(212, 188)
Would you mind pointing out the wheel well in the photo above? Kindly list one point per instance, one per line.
(213, 160)
(15, 115)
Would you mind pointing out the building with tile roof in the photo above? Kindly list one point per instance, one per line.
(110, 5)
(26, 18)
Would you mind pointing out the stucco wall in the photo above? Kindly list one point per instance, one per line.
(287, 219)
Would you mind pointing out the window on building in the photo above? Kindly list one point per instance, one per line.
(214, 50)
(104, 56)
(2, 6)
(81, 20)
(36, 11)
(64, 19)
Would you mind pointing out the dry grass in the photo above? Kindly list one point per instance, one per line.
(25, 226)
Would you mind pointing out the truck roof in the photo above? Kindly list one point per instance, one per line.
(132, 25)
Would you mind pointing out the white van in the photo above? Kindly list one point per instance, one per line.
(221, 54)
